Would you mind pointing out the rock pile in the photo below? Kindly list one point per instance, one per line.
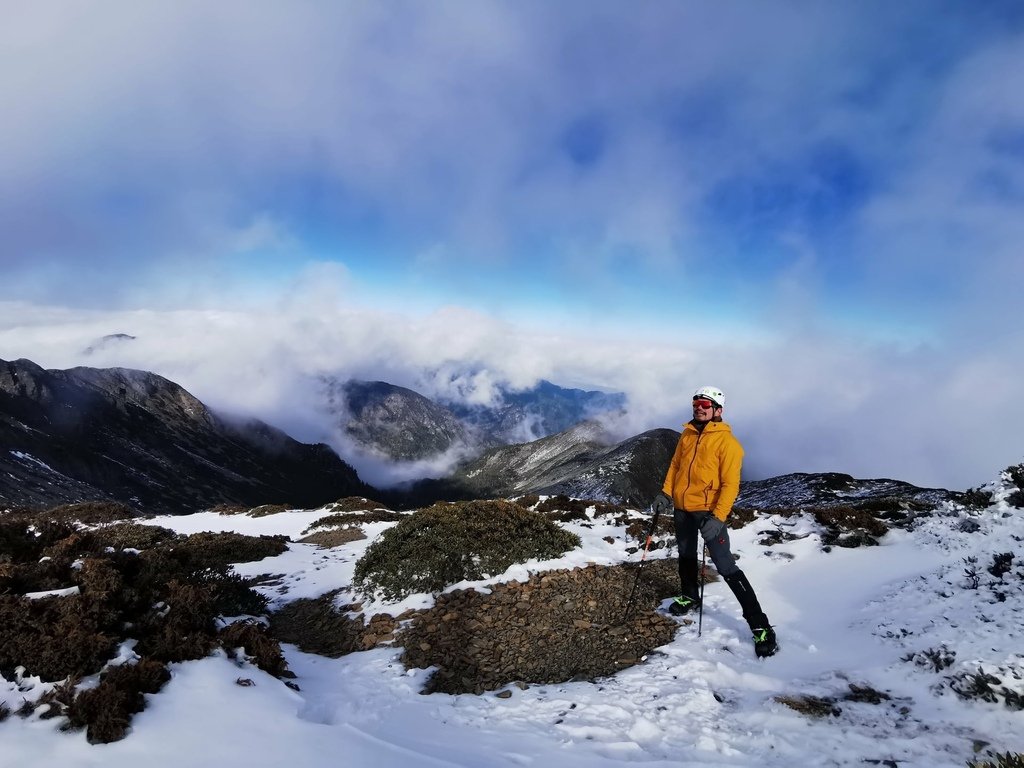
(558, 626)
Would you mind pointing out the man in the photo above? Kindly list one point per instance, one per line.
(702, 483)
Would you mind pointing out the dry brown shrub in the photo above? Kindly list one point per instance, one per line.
(1000, 759)
(563, 504)
(183, 628)
(264, 650)
(741, 516)
(268, 509)
(22, 578)
(23, 540)
(637, 530)
(812, 706)
(106, 711)
(579, 617)
(356, 504)
(607, 509)
(849, 526)
(335, 538)
(92, 512)
(99, 578)
(53, 637)
(133, 536)
(229, 509)
(316, 626)
(356, 518)
(207, 550)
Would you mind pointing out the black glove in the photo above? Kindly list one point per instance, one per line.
(710, 526)
(662, 503)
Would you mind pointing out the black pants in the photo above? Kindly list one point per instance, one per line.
(716, 537)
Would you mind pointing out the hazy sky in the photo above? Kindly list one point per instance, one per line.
(818, 207)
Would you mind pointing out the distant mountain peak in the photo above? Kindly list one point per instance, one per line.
(110, 340)
(404, 425)
(394, 421)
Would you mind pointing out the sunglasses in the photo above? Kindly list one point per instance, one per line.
(701, 403)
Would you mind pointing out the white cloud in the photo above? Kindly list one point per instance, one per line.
(801, 403)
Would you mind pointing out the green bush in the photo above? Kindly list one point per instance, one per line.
(452, 542)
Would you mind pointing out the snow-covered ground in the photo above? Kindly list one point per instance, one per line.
(847, 617)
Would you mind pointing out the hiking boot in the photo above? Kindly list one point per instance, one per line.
(682, 605)
(764, 642)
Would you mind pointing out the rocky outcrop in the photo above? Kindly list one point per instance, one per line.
(131, 436)
(823, 489)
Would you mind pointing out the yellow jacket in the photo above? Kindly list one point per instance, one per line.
(705, 470)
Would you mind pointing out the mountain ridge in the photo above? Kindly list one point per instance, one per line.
(133, 436)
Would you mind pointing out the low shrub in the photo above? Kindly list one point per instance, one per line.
(356, 504)
(812, 706)
(91, 512)
(564, 505)
(637, 530)
(22, 578)
(986, 686)
(976, 498)
(741, 516)
(557, 626)
(209, 550)
(1001, 564)
(54, 637)
(22, 541)
(229, 509)
(849, 526)
(315, 626)
(166, 597)
(456, 541)
(254, 639)
(356, 518)
(1000, 760)
(106, 710)
(335, 538)
(1015, 476)
(932, 659)
(268, 509)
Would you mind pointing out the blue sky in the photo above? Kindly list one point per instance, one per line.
(849, 175)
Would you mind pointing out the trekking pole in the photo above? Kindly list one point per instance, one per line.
(700, 610)
(647, 546)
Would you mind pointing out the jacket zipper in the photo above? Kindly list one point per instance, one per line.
(689, 469)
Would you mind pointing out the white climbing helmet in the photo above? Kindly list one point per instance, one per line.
(714, 394)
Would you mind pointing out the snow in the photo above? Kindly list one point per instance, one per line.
(52, 593)
(844, 617)
(29, 457)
